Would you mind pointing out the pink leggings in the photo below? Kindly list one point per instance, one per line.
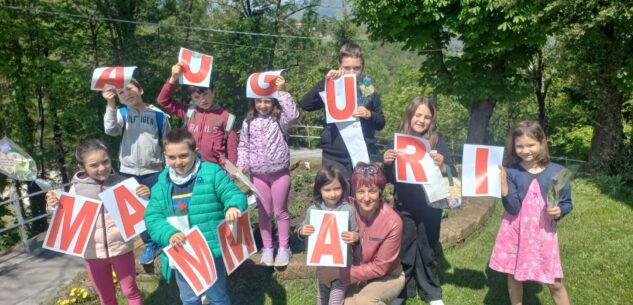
(274, 191)
(100, 273)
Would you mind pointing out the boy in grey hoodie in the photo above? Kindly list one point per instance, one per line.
(142, 127)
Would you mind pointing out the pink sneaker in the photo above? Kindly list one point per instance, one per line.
(267, 257)
(283, 257)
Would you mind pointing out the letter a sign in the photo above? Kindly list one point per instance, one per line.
(236, 241)
(262, 84)
(111, 77)
(480, 171)
(325, 246)
(197, 68)
(194, 261)
(340, 99)
(72, 224)
(413, 163)
(125, 208)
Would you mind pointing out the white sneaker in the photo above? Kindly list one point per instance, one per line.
(436, 302)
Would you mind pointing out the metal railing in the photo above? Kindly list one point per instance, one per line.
(21, 221)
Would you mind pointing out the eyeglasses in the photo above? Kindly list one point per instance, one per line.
(372, 170)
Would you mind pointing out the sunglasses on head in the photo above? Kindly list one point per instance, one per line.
(372, 170)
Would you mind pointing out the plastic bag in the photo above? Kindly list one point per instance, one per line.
(15, 163)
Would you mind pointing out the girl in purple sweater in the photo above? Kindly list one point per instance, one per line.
(263, 151)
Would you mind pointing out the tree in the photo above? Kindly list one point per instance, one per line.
(474, 48)
(596, 48)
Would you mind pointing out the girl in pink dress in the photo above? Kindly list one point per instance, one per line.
(527, 244)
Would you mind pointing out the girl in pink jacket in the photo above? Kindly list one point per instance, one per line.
(263, 151)
(106, 248)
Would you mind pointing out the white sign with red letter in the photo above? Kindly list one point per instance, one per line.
(414, 165)
(125, 208)
(197, 68)
(480, 173)
(194, 261)
(413, 162)
(236, 241)
(72, 224)
(262, 84)
(326, 246)
(352, 135)
(340, 99)
(111, 77)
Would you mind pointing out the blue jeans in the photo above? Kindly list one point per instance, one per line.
(216, 295)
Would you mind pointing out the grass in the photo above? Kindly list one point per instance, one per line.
(596, 250)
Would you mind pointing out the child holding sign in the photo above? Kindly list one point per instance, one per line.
(527, 243)
(142, 127)
(106, 248)
(421, 223)
(203, 195)
(330, 188)
(351, 61)
(205, 119)
(263, 150)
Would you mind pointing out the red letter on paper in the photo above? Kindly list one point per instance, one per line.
(413, 160)
(118, 81)
(124, 199)
(233, 246)
(198, 269)
(350, 97)
(71, 229)
(481, 170)
(205, 67)
(270, 79)
(329, 228)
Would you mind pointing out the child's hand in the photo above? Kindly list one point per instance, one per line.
(438, 159)
(503, 175)
(51, 199)
(109, 95)
(307, 230)
(362, 113)
(554, 213)
(349, 237)
(142, 190)
(334, 73)
(232, 214)
(389, 156)
(177, 239)
(280, 83)
(176, 70)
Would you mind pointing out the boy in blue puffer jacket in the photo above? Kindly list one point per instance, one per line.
(202, 193)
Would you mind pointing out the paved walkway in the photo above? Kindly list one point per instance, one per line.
(33, 278)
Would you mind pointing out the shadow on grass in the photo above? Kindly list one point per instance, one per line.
(613, 186)
(164, 294)
(251, 283)
(460, 277)
(498, 290)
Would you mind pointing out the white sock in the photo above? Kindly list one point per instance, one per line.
(436, 302)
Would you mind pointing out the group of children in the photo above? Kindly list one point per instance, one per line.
(195, 186)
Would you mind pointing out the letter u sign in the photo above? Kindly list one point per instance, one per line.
(340, 98)
(197, 68)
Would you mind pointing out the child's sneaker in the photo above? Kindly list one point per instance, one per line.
(151, 250)
(267, 257)
(283, 257)
(436, 302)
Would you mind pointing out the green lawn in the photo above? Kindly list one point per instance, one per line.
(596, 242)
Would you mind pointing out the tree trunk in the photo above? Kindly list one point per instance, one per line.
(608, 134)
(478, 126)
